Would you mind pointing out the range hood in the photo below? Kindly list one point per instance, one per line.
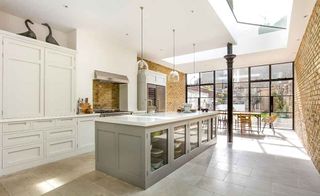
(110, 77)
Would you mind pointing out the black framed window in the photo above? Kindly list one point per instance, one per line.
(267, 88)
(241, 89)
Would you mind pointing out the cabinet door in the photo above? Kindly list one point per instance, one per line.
(205, 131)
(159, 156)
(194, 135)
(85, 133)
(1, 61)
(161, 80)
(60, 147)
(151, 78)
(161, 98)
(23, 71)
(59, 83)
(22, 155)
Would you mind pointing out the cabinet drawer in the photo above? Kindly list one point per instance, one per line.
(20, 155)
(60, 147)
(22, 138)
(16, 126)
(60, 133)
(40, 124)
(65, 122)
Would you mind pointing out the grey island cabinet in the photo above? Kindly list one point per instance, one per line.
(143, 149)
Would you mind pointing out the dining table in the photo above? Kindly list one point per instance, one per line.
(257, 115)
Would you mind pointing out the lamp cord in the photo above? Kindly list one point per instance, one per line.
(194, 58)
(141, 33)
(174, 50)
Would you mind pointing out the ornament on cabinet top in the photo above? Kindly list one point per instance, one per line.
(28, 33)
(50, 39)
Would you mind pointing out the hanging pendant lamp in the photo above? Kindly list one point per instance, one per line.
(142, 64)
(174, 75)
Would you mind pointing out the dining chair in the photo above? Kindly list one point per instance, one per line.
(270, 120)
(245, 121)
(222, 120)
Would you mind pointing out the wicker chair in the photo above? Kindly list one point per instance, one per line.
(270, 120)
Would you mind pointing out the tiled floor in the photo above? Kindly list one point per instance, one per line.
(252, 166)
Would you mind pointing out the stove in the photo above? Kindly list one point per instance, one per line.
(111, 112)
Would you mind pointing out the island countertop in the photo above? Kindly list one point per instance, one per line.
(148, 120)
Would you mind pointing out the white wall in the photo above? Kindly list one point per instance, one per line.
(16, 24)
(97, 51)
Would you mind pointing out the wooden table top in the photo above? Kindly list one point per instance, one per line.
(242, 113)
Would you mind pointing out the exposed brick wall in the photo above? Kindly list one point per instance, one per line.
(105, 95)
(176, 92)
(307, 86)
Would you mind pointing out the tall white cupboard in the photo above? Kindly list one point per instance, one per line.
(38, 123)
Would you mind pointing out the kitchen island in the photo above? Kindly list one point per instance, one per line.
(143, 149)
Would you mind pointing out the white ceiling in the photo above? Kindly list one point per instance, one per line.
(121, 17)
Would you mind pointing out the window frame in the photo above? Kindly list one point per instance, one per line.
(250, 81)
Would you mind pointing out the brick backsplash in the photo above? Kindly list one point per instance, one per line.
(105, 95)
(307, 87)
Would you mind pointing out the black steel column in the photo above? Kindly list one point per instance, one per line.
(229, 57)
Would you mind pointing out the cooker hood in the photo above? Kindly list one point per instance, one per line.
(110, 77)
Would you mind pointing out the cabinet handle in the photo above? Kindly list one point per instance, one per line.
(89, 120)
(25, 136)
(66, 119)
(41, 121)
(18, 123)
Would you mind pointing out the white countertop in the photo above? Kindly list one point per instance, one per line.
(49, 117)
(148, 120)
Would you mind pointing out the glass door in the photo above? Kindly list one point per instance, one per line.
(205, 131)
(194, 135)
(213, 128)
(179, 135)
(159, 149)
(282, 103)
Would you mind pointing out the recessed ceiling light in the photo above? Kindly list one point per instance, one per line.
(305, 16)
(66, 6)
(127, 34)
(192, 11)
(161, 50)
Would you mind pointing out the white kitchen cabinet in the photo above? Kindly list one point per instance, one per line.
(86, 133)
(0, 149)
(21, 155)
(161, 80)
(146, 79)
(60, 133)
(150, 77)
(20, 139)
(16, 126)
(60, 147)
(59, 83)
(23, 84)
(1, 74)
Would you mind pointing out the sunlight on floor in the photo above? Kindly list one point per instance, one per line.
(44, 187)
(283, 143)
(55, 182)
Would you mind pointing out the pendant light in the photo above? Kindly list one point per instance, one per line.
(174, 75)
(142, 64)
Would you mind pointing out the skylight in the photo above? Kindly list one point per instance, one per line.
(266, 13)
